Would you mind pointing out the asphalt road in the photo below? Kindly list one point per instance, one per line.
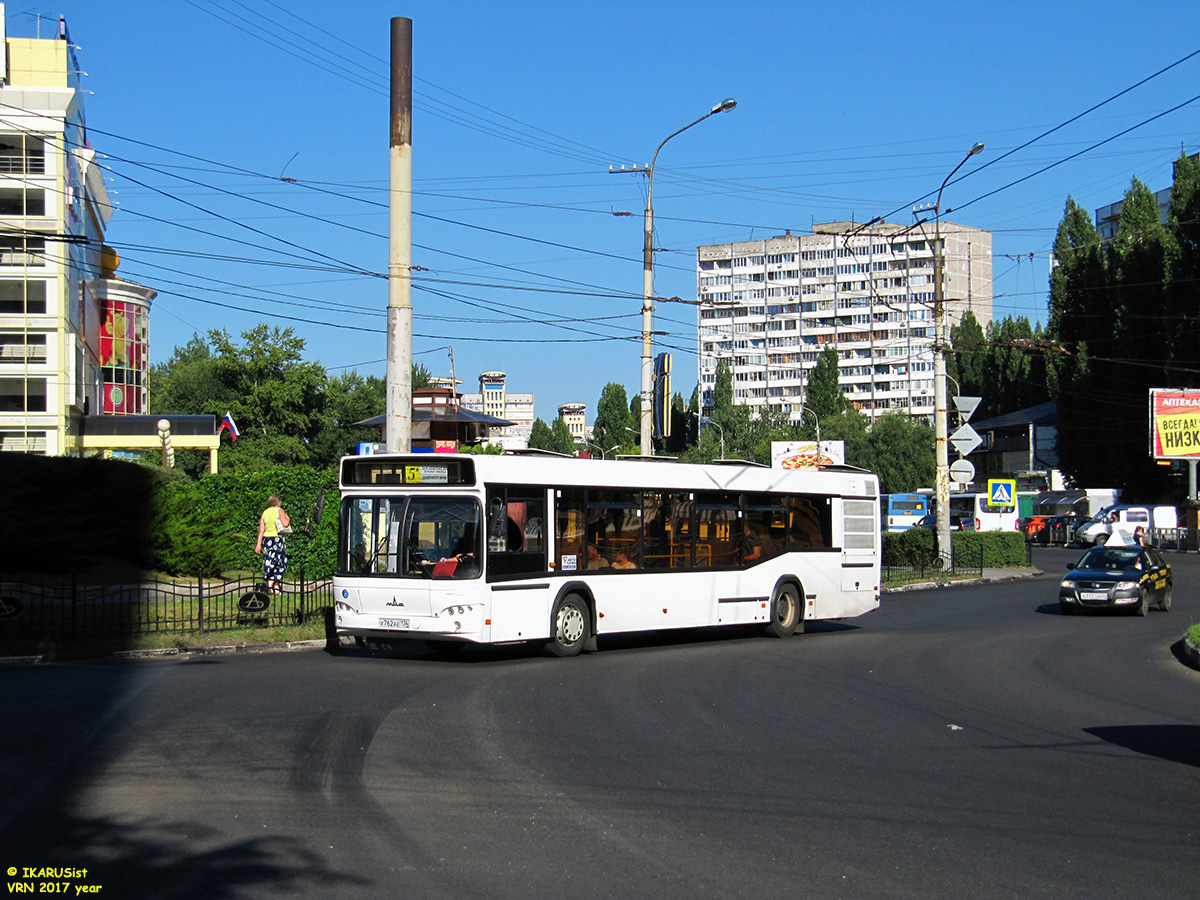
(964, 742)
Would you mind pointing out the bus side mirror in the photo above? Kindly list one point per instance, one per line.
(318, 511)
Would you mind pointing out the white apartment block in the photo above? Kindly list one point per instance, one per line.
(494, 399)
(770, 307)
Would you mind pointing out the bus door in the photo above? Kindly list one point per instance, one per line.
(517, 562)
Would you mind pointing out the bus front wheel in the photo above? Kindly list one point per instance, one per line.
(568, 626)
(785, 612)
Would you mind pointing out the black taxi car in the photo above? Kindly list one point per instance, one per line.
(1108, 577)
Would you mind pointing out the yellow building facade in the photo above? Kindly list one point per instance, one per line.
(74, 337)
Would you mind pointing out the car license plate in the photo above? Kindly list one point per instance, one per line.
(394, 623)
(1093, 595)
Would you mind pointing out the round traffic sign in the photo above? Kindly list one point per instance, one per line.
(962, 471)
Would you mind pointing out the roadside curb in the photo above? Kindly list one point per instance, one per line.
(160, 652)
(1191, 653)
(986, 579)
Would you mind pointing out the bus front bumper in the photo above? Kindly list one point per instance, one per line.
(463, 622)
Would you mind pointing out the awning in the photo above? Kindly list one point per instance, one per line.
(452, 414)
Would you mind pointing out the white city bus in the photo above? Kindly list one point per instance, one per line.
(456, 549)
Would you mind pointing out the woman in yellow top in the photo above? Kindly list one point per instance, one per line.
(270, 542)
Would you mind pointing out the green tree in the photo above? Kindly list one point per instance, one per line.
(965, 365)
(1181, 299)
(824, 394)
(540, 437)
(561, 439)
(1120, 318)
(349, 398)
(851, 428)
(276, 397)
(555, 437)
(187, 383)
(901, 452)
(613, 422)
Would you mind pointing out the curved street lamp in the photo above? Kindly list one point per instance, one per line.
(602, 450)
(940, 413)
(804, 409)
(707, 420)
(648, 282)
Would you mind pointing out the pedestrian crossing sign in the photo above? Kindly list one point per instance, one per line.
(1002, 491)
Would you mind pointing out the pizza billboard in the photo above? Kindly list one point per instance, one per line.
(806, 454)
(1174, 423)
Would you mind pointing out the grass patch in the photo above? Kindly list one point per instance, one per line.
(1193, 634)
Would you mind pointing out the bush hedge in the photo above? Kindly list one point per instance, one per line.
(917, 546)
(217, 522)
(64, 514)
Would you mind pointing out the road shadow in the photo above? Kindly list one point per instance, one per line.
(419, 651)
(1175, 743)
(148, 858)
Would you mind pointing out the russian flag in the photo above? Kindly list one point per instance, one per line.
(228, 422)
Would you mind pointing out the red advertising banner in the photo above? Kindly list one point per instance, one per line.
(1175, 424)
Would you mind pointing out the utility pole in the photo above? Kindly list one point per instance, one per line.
(647, 378)
(398, 425)
(941, 423)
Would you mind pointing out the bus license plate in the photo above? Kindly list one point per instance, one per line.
(394, 623)
(1093, 595)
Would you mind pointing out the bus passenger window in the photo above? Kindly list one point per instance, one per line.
(810, 523)
(718, 530)
(614, 524)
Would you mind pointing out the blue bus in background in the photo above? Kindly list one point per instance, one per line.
(903, 511)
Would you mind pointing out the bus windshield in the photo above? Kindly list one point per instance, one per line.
(411, 537)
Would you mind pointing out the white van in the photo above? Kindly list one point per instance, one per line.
(987, 517)
(1099, 527)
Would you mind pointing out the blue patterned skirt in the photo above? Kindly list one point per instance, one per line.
(274, 554)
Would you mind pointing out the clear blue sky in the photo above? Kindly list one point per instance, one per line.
(844, 110)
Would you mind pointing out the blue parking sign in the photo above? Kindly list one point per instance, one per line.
(1002, 491)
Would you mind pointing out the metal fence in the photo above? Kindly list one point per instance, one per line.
(964, 562)
(76, 606)
(1179, 539)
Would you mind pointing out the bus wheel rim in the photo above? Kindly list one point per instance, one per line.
(570, 624)
(783, 608)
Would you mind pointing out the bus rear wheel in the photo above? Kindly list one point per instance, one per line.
(785, 612)
(568, 627)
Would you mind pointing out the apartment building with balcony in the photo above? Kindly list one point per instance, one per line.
(770, 307)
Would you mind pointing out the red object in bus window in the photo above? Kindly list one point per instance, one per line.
(445, 568)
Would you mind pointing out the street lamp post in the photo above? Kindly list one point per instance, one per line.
(804, 409)
(602, 450)
(940, 412)
(648, 283)
(707, 420)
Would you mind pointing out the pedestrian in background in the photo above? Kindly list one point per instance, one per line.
(272, 525)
